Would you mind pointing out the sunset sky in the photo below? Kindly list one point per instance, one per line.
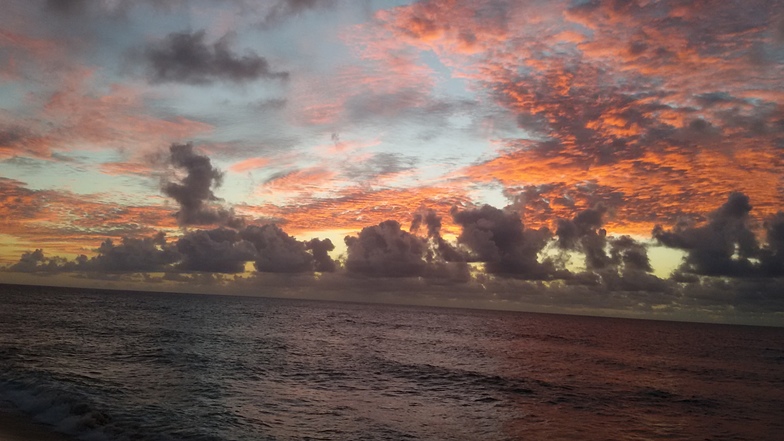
(601, 157)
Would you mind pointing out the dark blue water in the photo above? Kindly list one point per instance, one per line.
(131, 366)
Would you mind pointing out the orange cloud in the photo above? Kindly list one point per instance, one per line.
(77, 118)
(249, 164)
(71, 224)
(358, 208)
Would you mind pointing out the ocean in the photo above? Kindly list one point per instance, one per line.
(108, 365)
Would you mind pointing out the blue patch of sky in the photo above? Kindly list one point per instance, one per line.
(82, 175)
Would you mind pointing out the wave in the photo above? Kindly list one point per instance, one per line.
(67, 412)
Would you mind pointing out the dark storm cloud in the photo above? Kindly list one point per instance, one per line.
(186, 58)
(194, 192)
(133, 255)
(499, 240)
(722, 247)
(219, 250)
(276, 251)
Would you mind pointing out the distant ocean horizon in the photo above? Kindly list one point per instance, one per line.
(119, 365)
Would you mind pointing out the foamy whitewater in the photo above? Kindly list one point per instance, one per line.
(131, 366)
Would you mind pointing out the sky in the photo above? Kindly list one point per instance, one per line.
(619, 158)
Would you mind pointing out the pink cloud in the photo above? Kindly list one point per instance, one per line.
(249, 164)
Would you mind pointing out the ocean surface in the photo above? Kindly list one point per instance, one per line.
(103, 365)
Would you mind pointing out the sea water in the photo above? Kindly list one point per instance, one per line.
(108, 365)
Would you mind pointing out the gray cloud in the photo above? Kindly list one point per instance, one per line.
(219, 250)
(66, 7)
(37, 262)
(722, 247)
(185, 57)
(499, 240)
(284, 9)
(133, 255)
(276, 251)
(386, 250)
(194, 192)
(629, 254)
(379, 164)
(772, 257)
(320, 250)
(441, 248)
(584, 233)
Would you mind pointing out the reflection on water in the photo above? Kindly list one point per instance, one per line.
(164, 367)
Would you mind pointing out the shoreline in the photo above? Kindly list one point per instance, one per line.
(16, 426)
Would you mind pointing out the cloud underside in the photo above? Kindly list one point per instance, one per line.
(187, 58)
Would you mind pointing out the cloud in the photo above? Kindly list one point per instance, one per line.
(629, 254)
(186, 58)
(219, 250)
(320, 249)
(354, 208)
(37, 262)
(499, 240)
(378, 165)
(194, 192)
(284, 9)
(644, 120)
(149, 254)
(249, 164)
(443, 249)
(66, 7)
(277, 252)
(72, 114)
(722, 247)
(772, 257)
(385, 250)
(584, 233)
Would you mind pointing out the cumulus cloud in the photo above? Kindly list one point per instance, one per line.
(629, 254)
(320, 250)
(276, 251)
(441, 249)
(584, 233)
(218, 250)
(36, 261)
(133, 255)
(772, 257)
(185, 57)
(194, 192)
(499, 240)
(386, 250)
(722, 247)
